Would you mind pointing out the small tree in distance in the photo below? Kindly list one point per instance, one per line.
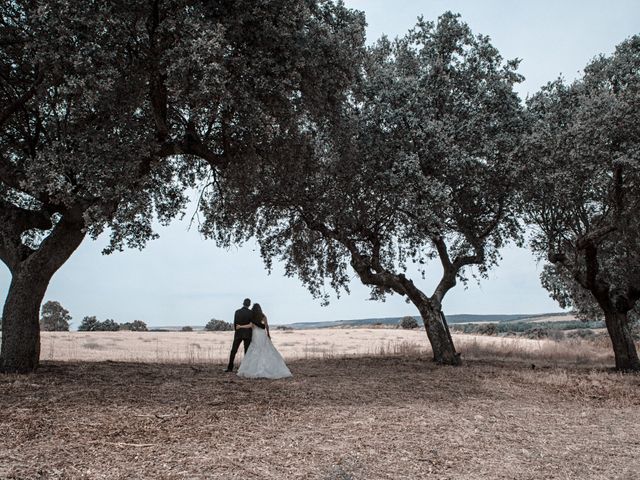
(218, 326)
(109, 325)
(55, 318)
(186, 328)
(408, 323)
(92, 324)
(89, 324)
(135, 326)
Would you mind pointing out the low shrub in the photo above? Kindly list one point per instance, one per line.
(408, 323)
(536, 333)
(487, 329)
(585, 333)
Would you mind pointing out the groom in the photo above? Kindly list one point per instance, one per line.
(242, 327)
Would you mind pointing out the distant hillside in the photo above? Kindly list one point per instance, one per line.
(462, 318)
(452, 319)
(546, 317)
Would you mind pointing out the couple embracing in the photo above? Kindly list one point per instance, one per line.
(261, 359)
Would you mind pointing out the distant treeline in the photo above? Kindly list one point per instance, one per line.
(451, 319)
(92, 324)
(521, 327)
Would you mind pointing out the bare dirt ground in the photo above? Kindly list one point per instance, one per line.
(390, 415)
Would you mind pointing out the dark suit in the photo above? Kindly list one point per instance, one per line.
(244, 316)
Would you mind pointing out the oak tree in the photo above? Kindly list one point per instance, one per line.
(55, 318)
(416, 165)
(582, 191)
(110, 109)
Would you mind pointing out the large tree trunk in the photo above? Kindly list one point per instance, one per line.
(20, 351)
(624, 347)
(20, 321)
(444, 351)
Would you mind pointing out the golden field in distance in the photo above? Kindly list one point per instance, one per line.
(213, 347)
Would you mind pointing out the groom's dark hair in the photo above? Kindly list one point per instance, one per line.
(246, 302)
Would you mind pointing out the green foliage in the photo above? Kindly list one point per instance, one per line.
(414, 165)
(135, 326)
(522, 327)
(109, 325)
(218, 325)
(89, 324)
(487, 329)
(186, 328)
(408, 323)
(581, 184)
(109, 85)
(417, 165)
(109, 111)
(581, 192)
(92, 324)
(583, 333)
(54, 317)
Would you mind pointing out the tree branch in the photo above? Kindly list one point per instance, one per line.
(20, 220)
(197, 149)
(21, 100)
(494, 223)
(443, 253)
(9, 174)
(618, 193)
(449, 271)
(7, 254)
(157, 88)
(633, 294)
(592, 282)
(476, 259)
(452, 268)
(65, 237)
(14, 221)
(362, 264)
(594, 237)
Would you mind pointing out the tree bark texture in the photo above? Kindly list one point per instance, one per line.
(624, 348)
(30, 277)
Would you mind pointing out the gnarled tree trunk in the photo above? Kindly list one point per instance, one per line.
(444, 351)
(20, 352)
(371, 272)
(616, 304)
(624, 348)
(20, 321)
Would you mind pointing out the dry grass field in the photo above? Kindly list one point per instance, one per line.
(366, 405)
(213, 347)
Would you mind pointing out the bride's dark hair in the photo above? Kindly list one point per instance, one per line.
(257, 312)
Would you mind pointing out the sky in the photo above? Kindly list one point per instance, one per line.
(183, 279)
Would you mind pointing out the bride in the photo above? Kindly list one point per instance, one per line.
(262, 360)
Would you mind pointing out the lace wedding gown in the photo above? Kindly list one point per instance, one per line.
(262, 360)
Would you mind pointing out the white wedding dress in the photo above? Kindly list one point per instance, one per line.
(262, 360)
